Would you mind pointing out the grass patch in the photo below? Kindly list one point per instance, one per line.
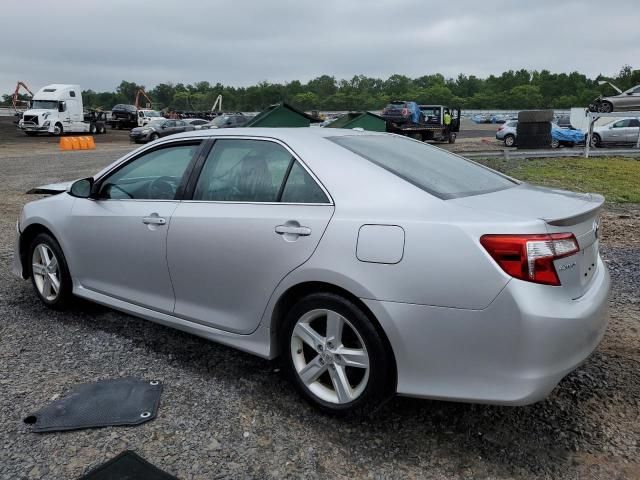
(618, 179)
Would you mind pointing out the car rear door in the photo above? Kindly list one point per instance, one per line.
(118, 240)
(255, 214)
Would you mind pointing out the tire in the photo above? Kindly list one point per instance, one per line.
(452, 137)
(92, 128)
(596, 141)
(605, 107)
(42, 251)
(555, 143)
(509, 140)
(58, 130)
(153, 136)
(535, 116)
(332, 386)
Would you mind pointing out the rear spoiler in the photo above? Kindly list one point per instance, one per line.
(596, 200)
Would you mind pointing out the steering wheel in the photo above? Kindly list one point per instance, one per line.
(162, 188)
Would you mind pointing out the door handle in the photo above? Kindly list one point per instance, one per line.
(293, 230)
(154, 220)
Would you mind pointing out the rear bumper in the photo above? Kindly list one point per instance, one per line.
(514, 352)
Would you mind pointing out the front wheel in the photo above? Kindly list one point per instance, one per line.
(335, 356)
(509, 141)
(49, 272)
(154, 136)
(452, 138)
(596, 141)
(58, 130)
(555, 143)
(606, 107)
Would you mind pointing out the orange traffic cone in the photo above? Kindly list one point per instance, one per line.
(75, 143)
(65, 143)
(91, 143)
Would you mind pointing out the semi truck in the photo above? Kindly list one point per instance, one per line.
(56, 109)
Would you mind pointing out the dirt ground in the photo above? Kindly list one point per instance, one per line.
(226, 414)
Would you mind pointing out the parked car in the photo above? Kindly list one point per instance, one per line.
(629, 100)
(401, 112)
(507, 133)
(461, 284)
(622, 131)
(158, 128)
(560, 137)
(196, 122)
(234, 120)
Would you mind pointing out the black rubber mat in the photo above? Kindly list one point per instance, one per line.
(127, 466)
(123, 401)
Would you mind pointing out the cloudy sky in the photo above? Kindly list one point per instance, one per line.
(242, 42)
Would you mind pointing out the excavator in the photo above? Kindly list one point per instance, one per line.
(18, 105)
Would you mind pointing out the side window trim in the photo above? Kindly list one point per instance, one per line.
(189, 192)
(181, 187)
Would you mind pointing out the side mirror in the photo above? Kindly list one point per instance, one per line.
(629, 93)
(81, 188)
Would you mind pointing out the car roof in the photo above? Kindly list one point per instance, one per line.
(284, 134)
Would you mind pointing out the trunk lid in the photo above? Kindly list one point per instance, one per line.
(562, 212)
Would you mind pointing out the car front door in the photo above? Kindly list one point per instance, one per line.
(630, 100)
(167, 128)
(255, 214)
(118, 239)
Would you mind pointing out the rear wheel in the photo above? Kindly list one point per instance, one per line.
(452, 137)
(49, 272)
(596, 141)
(335, 356)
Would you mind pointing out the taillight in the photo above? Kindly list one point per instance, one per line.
(500, 127)
(405, 112)
(530, 257)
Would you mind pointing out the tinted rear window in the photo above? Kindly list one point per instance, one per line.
(432, 169)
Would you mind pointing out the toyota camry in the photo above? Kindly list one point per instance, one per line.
(371, 264)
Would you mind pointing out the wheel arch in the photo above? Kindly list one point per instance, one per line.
(26, 237)
(294, 293)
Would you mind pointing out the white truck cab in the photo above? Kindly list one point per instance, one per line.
(145, 116)
(55, 109)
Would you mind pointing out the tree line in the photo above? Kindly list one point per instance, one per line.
(521, 89)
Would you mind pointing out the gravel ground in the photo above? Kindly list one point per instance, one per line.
(225, 414)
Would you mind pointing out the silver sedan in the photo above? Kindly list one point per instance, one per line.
(372, 264)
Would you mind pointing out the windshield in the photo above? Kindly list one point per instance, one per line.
(45, 104)
(430, 111)
(436, 171)
(152, 113)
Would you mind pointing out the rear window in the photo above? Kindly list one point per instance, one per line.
(396, 106)
(434, 170)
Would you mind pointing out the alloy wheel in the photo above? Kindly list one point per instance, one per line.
(46, 272)
(329, 356)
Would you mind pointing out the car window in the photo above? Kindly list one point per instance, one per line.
(621, 124)
(432, 169)
(300, 187)
(180, 123)
(152, 176)
(634, 123)
(243, 171)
